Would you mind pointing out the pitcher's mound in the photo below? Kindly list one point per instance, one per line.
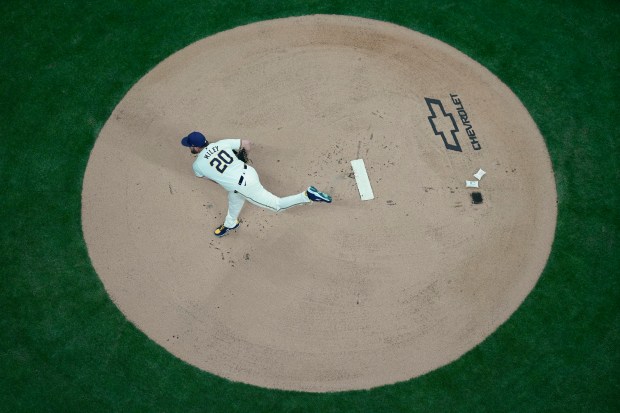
(322, 297)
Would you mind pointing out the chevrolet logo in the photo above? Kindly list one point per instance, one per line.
(442, 124)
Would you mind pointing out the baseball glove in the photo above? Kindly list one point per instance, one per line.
(242, 155)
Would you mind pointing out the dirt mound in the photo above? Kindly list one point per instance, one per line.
(334, 297)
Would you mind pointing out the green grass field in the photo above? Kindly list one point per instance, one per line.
(65, 347)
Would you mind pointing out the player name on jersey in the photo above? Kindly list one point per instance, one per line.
(210, 151)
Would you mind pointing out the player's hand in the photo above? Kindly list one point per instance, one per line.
(245, 144)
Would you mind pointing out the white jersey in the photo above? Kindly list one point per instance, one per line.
(218, 163)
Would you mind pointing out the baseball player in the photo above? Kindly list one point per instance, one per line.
(218, 162)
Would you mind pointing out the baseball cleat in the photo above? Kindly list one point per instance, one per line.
(222, 230)
(317, 196)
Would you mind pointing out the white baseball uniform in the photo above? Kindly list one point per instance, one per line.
(218, 163)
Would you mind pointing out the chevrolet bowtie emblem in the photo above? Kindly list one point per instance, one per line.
(442, 124)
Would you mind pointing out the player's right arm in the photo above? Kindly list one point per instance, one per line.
(245, 144)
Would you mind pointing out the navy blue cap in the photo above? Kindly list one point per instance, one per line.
(194, 139)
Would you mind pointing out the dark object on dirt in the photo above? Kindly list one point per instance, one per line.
(476, 197)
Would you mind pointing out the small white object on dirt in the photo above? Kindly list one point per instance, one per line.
(471, 184)
(361, 177)
(479, 174)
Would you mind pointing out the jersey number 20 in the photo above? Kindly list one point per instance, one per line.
(222, 161)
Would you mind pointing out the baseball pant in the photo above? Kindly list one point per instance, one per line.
(251, 190)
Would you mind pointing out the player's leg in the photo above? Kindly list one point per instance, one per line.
(259, 196)
(235, 204)
(254, 192)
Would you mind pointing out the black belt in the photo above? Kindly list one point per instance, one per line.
(241, 179)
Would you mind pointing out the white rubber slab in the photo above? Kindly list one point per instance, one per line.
(361, 177)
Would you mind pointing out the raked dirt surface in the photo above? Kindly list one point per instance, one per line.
(325, 297)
